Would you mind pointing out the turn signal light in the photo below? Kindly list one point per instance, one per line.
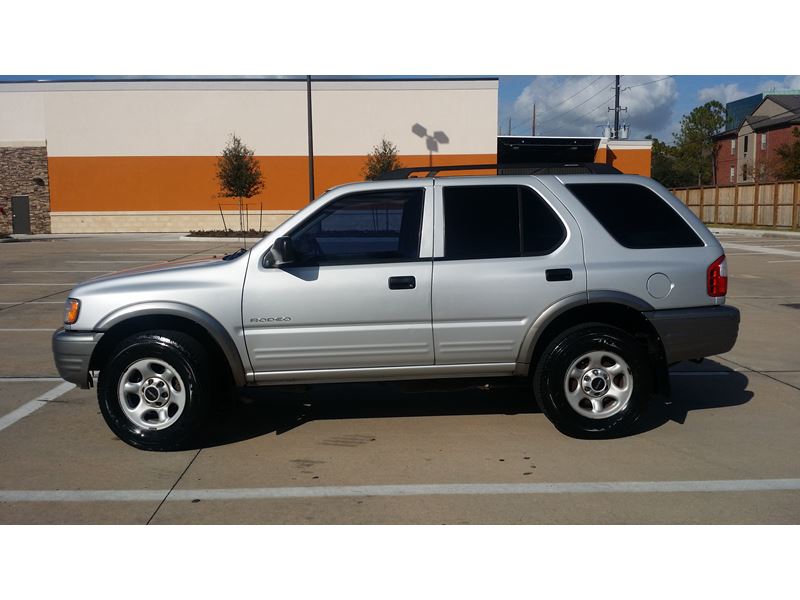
(717, 278)
(71, 309)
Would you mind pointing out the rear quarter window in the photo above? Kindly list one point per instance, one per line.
(635, 216)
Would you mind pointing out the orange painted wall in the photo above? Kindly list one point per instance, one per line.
(183, 183)
(628, 160)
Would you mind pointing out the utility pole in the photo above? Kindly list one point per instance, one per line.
(509, 125)
(616, 109)
(310, 142)
(533, 121)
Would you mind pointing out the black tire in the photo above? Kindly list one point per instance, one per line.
(189, 361)
(550, 379)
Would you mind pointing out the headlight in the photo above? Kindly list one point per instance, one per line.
(71, 309)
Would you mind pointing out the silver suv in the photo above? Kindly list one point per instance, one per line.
(589, 286)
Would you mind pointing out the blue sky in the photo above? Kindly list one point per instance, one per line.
(577, 105)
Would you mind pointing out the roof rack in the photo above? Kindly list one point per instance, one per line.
(508, 169)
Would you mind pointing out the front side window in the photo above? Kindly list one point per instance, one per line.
(498, 221)
(367, 227)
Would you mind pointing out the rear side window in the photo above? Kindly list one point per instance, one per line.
(635, 216)
(498, 221)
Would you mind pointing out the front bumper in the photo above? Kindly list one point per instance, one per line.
(695, 332)
(72, 351)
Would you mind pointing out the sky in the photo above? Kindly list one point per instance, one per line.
(578, 105)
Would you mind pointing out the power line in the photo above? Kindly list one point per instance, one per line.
(600, 91)
(586, 114)
(549, 110)
(630, 87)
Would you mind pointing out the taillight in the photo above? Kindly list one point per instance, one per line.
(717, 278)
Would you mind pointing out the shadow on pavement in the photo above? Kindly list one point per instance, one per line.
(260, 411)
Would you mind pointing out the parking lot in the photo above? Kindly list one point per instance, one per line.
(725, 449)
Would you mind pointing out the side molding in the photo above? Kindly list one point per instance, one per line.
(177, 309)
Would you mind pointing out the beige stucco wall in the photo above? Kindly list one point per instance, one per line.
(161, 221)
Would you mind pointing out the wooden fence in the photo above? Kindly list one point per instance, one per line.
(773, 205)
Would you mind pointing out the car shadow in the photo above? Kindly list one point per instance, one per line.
(265, 410)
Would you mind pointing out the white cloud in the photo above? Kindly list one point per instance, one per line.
(579, 105)
(723, 93)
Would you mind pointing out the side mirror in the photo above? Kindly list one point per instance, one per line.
(281, 254)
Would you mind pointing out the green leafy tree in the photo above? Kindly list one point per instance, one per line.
(694, 144)
(382, 159)
(665, 166)
(789, 158)
(239, 174)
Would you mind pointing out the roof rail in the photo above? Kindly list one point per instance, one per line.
(507, 169)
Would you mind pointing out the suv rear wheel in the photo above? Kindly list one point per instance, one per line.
(156, 390)
(593, 380)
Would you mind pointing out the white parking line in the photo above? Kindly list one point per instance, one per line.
(50, 329)
(48, 284)
(35, 404)
(783, 261)
(34, 302)
(28, 379)
(94, 262)
(52, 271)
(435, 489)
(761, 249)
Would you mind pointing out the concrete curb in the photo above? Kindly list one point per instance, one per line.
(756, 233)
(232, 240)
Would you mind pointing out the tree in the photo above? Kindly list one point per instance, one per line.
(665, 166)
(789, 158)
(694, 144)
(382, 159)
(239, 174)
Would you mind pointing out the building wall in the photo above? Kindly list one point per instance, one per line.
(142, 155)
(725, 160)
(23, 172)
(633, 157)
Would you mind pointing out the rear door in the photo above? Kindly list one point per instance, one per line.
(359, 295)
(503, 253)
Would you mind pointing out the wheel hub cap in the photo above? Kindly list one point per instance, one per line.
(151, 393)
(598, 384)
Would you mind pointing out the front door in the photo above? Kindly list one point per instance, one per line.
(358, 294)
(505, 257)
(20, 214)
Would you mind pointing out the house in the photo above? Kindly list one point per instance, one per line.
(749, 152)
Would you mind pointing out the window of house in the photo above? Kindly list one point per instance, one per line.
(745, 144)
(367, 227)
(498, 221)
(733, 146)
(635, 216)
(763, 141)
(733, 174)
(744, 172)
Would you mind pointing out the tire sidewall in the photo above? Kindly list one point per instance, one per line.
(188, 367)
(563, 351)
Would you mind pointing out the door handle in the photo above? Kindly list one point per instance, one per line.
(558, 274)
(402, 283)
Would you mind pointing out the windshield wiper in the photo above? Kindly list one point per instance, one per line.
(234, 254)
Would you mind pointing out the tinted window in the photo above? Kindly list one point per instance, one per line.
(481, 222)
(379, 226)
(635, 216)
(498, 221)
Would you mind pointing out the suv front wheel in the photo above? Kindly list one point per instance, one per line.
(156, 389)
(593, 380)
